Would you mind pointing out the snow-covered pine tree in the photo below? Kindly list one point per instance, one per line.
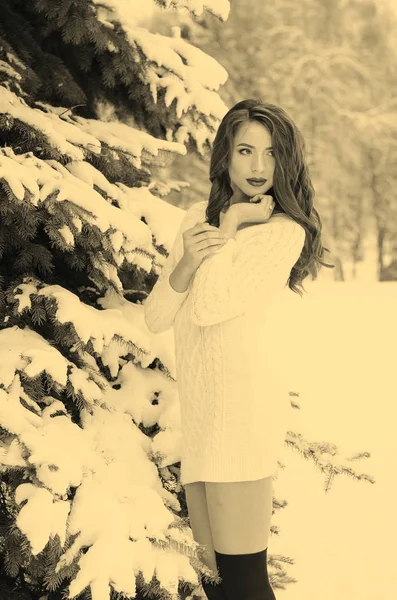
(90, 102)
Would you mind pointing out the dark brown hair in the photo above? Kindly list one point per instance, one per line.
(292, 189)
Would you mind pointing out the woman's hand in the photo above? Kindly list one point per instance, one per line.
(258, 210)
(199, 242)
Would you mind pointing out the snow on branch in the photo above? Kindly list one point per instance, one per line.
(190, 76)
(70, 137)
(100, 327)
(24, 352)
(130, 239)
(187, 74)
(106, 458)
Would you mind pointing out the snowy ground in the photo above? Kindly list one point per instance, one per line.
(342, 360)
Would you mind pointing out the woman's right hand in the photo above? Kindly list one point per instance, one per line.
(201, 241)
(258, 209)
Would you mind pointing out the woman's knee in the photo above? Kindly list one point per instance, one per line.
(240, 515)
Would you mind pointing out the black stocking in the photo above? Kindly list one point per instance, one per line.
(244, 576)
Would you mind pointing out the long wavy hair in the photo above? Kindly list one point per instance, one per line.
(292, 189)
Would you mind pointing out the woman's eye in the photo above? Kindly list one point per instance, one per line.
(248, 150)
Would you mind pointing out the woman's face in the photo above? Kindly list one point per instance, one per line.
(251, 157)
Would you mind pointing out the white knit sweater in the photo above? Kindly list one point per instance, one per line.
(231, 395)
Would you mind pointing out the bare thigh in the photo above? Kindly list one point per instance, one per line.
(240, 515)
(199, 520)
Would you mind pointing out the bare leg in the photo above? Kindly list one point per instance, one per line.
(240, 515)
(199, 520)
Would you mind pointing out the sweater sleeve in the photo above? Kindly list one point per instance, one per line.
(248, 270)
(163, 302)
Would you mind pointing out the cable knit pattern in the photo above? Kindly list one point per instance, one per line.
(233, 401)
(163, 302)
(249, 269)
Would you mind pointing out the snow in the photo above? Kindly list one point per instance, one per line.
(119, 494)
(130, 140)
(51, 514)
(132, 12)
(190, 76)
(8, 71)
(56, 130)
(129, 236)
(23, 348)
(175, 52)
(111, 331)
(71, 135)
(107, 458)
(341, 360)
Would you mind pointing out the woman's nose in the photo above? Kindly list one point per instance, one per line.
(258, 165)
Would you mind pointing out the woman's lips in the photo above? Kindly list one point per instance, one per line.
(256, 182)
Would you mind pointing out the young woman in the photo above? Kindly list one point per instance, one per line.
(231, 258)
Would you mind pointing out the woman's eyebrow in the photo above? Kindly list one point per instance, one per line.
(244, 144)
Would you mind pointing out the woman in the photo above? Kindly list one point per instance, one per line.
(232, 257)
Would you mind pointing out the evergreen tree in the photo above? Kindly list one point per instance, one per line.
(91, 105)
